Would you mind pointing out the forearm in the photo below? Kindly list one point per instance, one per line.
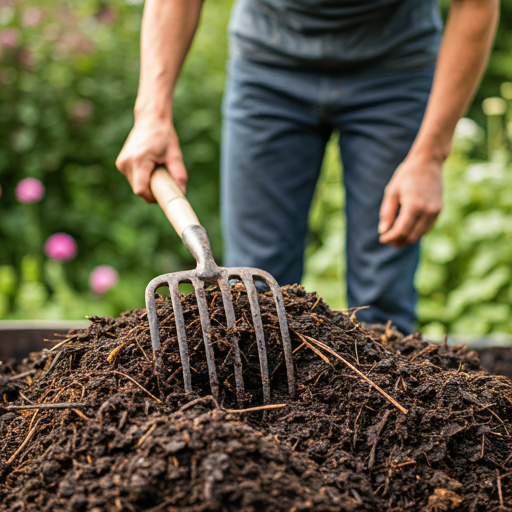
(465, 48)
(168, 27)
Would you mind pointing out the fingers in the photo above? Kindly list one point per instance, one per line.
(402, 226)
(140, 180)
(174, 162)
(145, 148)
(177, 170)
(138, 173)
(388, 210)
(413, 221)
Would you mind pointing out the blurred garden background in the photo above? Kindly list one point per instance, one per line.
(68, 79)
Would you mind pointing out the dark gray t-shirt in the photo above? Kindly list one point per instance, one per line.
(337, 34)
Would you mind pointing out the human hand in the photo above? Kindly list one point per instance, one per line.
(415, 193)
(151, 143)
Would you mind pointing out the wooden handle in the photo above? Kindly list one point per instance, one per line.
(172, 200)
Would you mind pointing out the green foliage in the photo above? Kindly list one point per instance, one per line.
(464, 279)
(68, 81)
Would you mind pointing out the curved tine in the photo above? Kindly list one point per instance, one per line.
(180, 329)
(151, 289)
(152, 319)
(285, 333)
(230, 320)
(258, 328)
(205, 324)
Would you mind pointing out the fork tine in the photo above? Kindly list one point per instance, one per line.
(285, 333)
(205, 324)
(230, 320)
(180, 329)
(152, 317)
(247, 278)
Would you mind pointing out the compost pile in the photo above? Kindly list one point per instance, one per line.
(127, 439)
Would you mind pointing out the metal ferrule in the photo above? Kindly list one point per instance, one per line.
(196, 241)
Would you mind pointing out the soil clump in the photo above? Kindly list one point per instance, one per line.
(112, 436)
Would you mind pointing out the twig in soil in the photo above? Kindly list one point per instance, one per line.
(26, 398)
(315, 350)
(81, 414)
(254, 409)
(140, 442)
(198, 401)
(500, 420)
(498, 483)
(142, 350)
(63, 342)
(31, 432)
(378, 430)
(507, 460)
(353, 368)
(229, 411)
(67, 405)
(354, 311)
(21, 375)
(355, 427)
(137, 384)
(315, 304)
(298, 348)
(114, 352)
(428, 348)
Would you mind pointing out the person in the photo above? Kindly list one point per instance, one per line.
(377, 71)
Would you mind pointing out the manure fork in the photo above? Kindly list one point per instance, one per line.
(185, 222)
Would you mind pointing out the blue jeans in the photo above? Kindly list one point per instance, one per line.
(277, 121)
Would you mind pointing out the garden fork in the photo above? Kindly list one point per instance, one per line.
(184, 220)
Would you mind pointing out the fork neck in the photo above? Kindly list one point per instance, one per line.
(196, 241)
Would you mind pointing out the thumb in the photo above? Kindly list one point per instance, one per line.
(388, 210)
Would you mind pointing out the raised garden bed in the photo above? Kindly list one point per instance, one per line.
(114, 437)
(20, 337)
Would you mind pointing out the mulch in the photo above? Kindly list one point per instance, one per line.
(89, 426)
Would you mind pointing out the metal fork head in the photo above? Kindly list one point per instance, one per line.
(221, 278)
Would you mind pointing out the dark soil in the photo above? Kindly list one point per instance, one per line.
(497, 360)
(340, 446)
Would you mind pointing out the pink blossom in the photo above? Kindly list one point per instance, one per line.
(32, 16)
(9, 37)
(60, 247)
(103, 278)
(29, 190)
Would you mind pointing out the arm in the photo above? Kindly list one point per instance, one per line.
(168, 27)
(416, 185)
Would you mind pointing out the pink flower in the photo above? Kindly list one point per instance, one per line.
(60, 247)
(9, 37)
(29, 190)
(32, 16)
(103, 278)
